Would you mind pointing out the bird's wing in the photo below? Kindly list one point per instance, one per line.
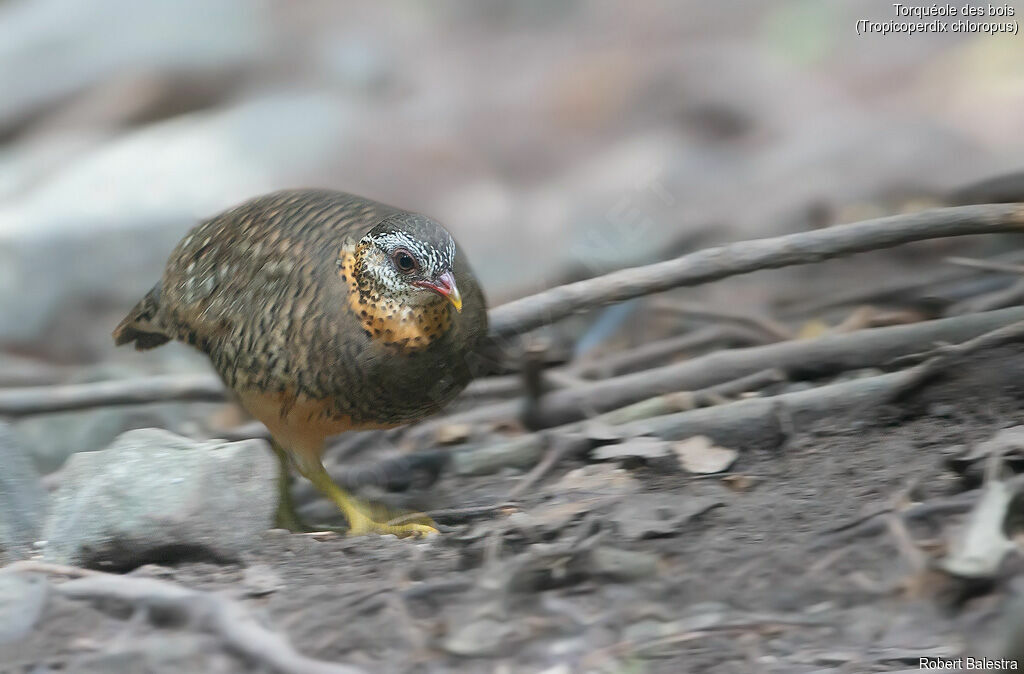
(241, 267)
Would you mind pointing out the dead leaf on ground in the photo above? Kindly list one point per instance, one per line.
(599, 479)
(699, 455)
(633, 448)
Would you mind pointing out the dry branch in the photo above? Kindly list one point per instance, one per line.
(746, 256)
(950, 354)
(875, 522)
(995, 299)
(755, 421)
(65, 397)
(769, 327)
(742, 424)
(227, 618)
(648, 355)
(986, 265)
(810, 358)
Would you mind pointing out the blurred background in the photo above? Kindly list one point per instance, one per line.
(556, 141)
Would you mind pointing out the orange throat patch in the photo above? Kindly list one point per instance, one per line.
(402, 327)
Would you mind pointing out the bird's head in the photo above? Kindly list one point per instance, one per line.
(407, 258)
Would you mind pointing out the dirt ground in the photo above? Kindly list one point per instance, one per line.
(760, 581)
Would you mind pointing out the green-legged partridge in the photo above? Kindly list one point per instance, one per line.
(324, 312)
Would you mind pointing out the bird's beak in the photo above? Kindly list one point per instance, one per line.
(446, 288)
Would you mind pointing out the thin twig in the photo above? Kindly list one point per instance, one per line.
(771, 328)
(460, 514)
(987, 265)
(138, 391)
(712, 264)
(648, 355)
(948, 355)
(562, 445)
(827, 355)
(241, 631)
(874, 522)
(996, 299)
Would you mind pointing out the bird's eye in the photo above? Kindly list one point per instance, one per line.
(404, 261)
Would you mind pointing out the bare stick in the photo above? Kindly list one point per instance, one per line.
(771, 328)
(752, 422)
(986, 265)
(683, 401)
(875, 522)
(65, 397)
(823, 356)
(948, 355)
(995, 299)
(746, 256)
(647, 355)
(562, 445)
(216, 613)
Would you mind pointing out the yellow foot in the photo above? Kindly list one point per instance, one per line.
(365, 518)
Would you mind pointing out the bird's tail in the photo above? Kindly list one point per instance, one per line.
(141, 325)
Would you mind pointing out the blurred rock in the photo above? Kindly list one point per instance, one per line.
(54, 48)
(622, 565)
(22, 599)
(154, 496)
(52, 438)
(100, 230)
(481, 637)
(22, 497)
(658, 514)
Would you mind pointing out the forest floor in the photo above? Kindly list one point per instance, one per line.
(604, 568)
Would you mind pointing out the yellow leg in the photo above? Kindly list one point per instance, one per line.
(364, 518)
(286, 517)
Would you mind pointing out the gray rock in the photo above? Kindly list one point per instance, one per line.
(622, 565)
(22, 497)
(22, 600)
(153, 496)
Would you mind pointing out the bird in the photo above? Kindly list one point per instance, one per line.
(323, 312)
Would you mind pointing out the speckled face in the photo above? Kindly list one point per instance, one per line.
(408, 258)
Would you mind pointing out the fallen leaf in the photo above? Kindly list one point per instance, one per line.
(599, 479)
(633, 448)
(699, 455)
